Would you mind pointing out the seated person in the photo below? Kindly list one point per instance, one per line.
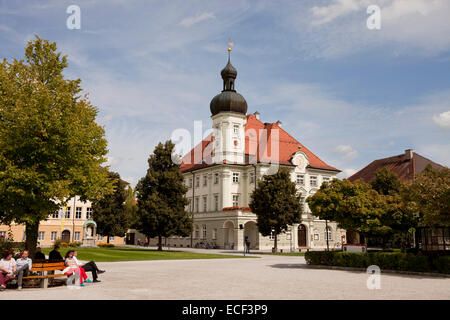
(7, 269)
(23, 266)
(55, 254)
(38, 255)
(90, 266)
(72, 267)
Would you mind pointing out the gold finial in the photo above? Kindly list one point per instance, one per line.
(230, 44)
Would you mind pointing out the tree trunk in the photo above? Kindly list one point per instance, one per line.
(275, 245)
(31, 232)
(107, 239)
(159, 243)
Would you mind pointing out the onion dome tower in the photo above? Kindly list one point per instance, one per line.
(228, 112)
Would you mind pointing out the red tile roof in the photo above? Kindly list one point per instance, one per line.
(288, 146)
(405, 168)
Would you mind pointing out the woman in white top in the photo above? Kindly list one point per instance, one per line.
(7, 269)
(72, 266)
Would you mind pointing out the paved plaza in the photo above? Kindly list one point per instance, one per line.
(267, 277)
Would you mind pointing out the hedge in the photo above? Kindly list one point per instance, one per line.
(385, 260)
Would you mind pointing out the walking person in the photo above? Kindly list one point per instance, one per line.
(7, 269)
(23, 267)
(91, 266)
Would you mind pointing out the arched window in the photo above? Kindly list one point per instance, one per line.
(328, 234)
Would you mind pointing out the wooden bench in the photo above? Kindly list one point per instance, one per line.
(43, 268)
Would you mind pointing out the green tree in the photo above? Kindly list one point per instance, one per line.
(131, 207)
(354, 206)
(110, 212)
(276, 204)
(386, 182)
(51, 148)
(161, 197)
(429, 196)
(398, 216)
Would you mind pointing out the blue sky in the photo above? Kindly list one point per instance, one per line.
(350, 94)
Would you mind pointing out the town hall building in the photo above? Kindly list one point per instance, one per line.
(221, 173)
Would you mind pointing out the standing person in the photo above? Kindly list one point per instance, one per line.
(23, 265)
(55, 254)
(72, 266)
(91, 266)
(247, 246)
(7, 269)
(38, 255)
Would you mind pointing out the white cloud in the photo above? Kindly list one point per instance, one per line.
(347, 172)
(346, 151)
(442, 120)
(338, 27)
(190, 21)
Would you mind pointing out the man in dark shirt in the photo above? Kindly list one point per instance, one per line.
(55, 254)
(38, 254)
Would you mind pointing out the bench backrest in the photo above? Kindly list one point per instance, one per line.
(48, 266)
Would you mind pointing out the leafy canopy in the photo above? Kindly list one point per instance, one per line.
(276, 203)
(161, 197)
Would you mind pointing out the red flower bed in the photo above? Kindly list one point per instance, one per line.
(237, 208)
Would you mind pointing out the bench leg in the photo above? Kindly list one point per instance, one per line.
(44, 283)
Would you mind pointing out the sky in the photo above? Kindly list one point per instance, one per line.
(348, 93)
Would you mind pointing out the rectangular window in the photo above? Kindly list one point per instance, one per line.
(190, 183)
(235, 177)
(78, 211)
(313, 181)
(55, 215)
(77, 236)
(197, 182)
(53, 235)
(68, 213)
(235, 200)
(216, 202)
(252, 177)
(88, 213)
(326, 179)
(41, 235)
(196, 233)
(272, 236)
(111, 239)
(236, 129)
(328, 234)
(214, 234)
(205, 203)
(204, 232)
(205, 180)
(216, 178)
(196, 204)
(300, 179)
(99, 237)
(3, 234)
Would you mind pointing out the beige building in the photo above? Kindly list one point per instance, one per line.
(70, 225)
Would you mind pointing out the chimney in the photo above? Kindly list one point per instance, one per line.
(409, 154)
(256, 114)
(279, 123)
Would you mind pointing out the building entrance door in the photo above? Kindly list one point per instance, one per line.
(65, 236)
(301, 235)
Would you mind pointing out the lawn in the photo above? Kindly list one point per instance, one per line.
(286, 253)
(134, 254)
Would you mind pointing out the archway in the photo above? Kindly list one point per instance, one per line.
(251, 230)
(228, 229)
(65, 236)
(301, 235)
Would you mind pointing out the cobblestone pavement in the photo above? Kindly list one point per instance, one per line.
(267, 277)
